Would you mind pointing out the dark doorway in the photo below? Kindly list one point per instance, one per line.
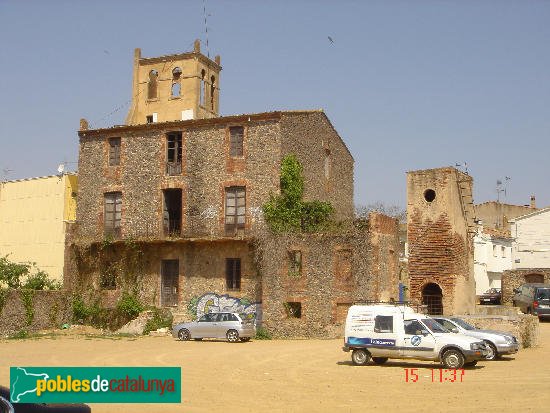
(432, 297)
(172, 212)
(534, 278)
(169, 283)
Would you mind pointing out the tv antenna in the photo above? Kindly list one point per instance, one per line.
(502, 187)
(462, 165)
(5, 173)
(206, 27)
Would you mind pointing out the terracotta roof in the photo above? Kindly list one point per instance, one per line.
(497, 233)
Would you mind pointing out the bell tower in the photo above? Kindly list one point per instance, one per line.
(174, 87)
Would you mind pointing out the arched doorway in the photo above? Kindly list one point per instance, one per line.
(534, 278)
(432, 296)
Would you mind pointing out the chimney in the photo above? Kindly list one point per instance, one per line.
(533, 204)
(197, 46)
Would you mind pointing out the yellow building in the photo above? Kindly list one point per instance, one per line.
(33, 217)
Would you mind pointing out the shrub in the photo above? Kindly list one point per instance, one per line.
(129, 305)
(262, 334)
(162, 317)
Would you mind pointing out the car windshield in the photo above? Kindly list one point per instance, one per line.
(463, 324)
(434, 326)
(543, 294)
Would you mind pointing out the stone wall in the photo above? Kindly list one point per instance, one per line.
(50, 309)
(327, 162)
(524, 327)
(512, 279)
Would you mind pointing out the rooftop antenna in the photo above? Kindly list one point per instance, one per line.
(206, 28)
(462, 165)
(5, 173)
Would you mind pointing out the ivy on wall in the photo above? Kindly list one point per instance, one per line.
(288, 212)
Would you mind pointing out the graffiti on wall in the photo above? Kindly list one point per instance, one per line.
(215, 303)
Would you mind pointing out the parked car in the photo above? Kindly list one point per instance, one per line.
(533, 298)
(230, 326)
(491, 296)
(498, 342)
(395, 331)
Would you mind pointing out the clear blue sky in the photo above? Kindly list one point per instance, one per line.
(408, 84)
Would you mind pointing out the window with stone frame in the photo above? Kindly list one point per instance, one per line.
(152, 92)
(235, 209)
(114, 151)
(112, 213)
(233, 273)
(236, 141)
(295, 263)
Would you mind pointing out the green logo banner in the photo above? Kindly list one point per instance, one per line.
(95, 384)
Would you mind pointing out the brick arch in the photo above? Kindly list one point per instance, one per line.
(432, 297)
(534, 277)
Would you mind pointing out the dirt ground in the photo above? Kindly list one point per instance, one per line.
(300, 375)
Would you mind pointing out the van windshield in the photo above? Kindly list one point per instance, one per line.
(543, 294)
(434, 326)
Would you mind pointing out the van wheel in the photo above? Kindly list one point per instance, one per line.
(379, 360)
(493, 353)
(470, 363)
(360, 356)
(453, 359)
(232, 336)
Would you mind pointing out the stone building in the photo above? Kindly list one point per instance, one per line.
(440, 227)
(171, 203)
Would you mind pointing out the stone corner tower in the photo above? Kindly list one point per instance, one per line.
(174, 87)
(440, 229)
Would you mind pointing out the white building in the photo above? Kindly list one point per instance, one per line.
(531, 248)
(492, 256)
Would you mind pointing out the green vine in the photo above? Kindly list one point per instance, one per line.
(288, 212)
(27, 296)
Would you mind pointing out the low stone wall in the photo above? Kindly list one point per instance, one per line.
(45, 309)
(497, 310)
(524, 327)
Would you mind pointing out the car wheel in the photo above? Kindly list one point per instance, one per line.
(360, 356)
(232, 336)
(453, 359)
(470, 363)
(184, 334)
(493, 353)
(379, 360)
(245, 339)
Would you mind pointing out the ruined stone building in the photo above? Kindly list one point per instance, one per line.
(171, 203)
(440, 228)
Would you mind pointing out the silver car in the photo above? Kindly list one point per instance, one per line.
(498, 342)
(230, 326)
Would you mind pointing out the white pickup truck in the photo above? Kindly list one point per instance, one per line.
(396, 331)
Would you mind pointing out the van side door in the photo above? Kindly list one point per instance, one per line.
(384, 340)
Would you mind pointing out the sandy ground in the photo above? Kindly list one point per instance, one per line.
(312, 375)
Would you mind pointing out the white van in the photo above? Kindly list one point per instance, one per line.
(384, 331)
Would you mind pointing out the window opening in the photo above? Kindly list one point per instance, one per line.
(233, 273)
(172, 212)
(114, 151)
(152, 85)
(293, 309)
(113, 213)
(236, 137)
(202, 88)
(429, 195)
(174, 153)
(383, 324)
(212, 91)
(235, 208)
(176, 89)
